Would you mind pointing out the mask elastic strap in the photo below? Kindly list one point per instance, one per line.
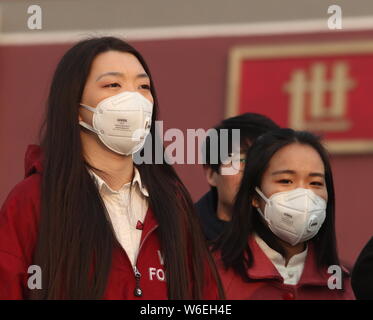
(94, 110)
(261, 194)
(87, 126)
(262, 214)
(265, 199)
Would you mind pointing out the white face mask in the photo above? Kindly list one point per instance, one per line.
(294, 216)
(122, 122)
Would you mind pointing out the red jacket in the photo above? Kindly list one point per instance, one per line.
(313, 285)
(18, 233)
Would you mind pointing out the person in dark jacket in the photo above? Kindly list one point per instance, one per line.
(215, 207)
(362, 273)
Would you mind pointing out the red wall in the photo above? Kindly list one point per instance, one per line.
(190, 77)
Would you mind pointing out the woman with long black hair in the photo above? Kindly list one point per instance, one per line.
(95, 224)
(281, 243)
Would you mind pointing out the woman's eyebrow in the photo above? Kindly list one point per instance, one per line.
(317, 174)
(111, 73)
(312, 174)
(120, 74)
(142, 75)
(283, 171)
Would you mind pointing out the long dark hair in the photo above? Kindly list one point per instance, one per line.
(74, 230)
(246, 221)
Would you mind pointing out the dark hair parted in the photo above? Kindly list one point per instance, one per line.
(74, 230)
(235, 251)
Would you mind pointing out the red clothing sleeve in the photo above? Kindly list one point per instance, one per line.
(18, 224)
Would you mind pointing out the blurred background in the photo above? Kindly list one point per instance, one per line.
(209, 60)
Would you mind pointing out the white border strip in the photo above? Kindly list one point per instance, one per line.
(188, 32)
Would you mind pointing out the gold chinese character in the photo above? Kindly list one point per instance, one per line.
(308, 108)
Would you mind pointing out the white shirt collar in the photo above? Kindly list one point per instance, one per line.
(102, 185)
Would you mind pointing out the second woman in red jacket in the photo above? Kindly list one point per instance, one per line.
(281, 243)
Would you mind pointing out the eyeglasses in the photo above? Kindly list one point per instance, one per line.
(229, 163)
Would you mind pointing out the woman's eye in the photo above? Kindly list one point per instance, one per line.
(145, 86)
(317, 183)
(112, 85)
(285, 181)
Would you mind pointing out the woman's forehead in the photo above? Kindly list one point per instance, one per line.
(115, 61)
(297, 157)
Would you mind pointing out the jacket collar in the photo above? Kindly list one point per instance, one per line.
(263, 267)
(206, 209)
(150, 223)
(312, 274)
(207, 205)
(33, 160)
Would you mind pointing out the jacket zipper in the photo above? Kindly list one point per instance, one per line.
(138, 291)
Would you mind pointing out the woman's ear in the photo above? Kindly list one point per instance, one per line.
(255, 201)
(210, 176)
(80, 118)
